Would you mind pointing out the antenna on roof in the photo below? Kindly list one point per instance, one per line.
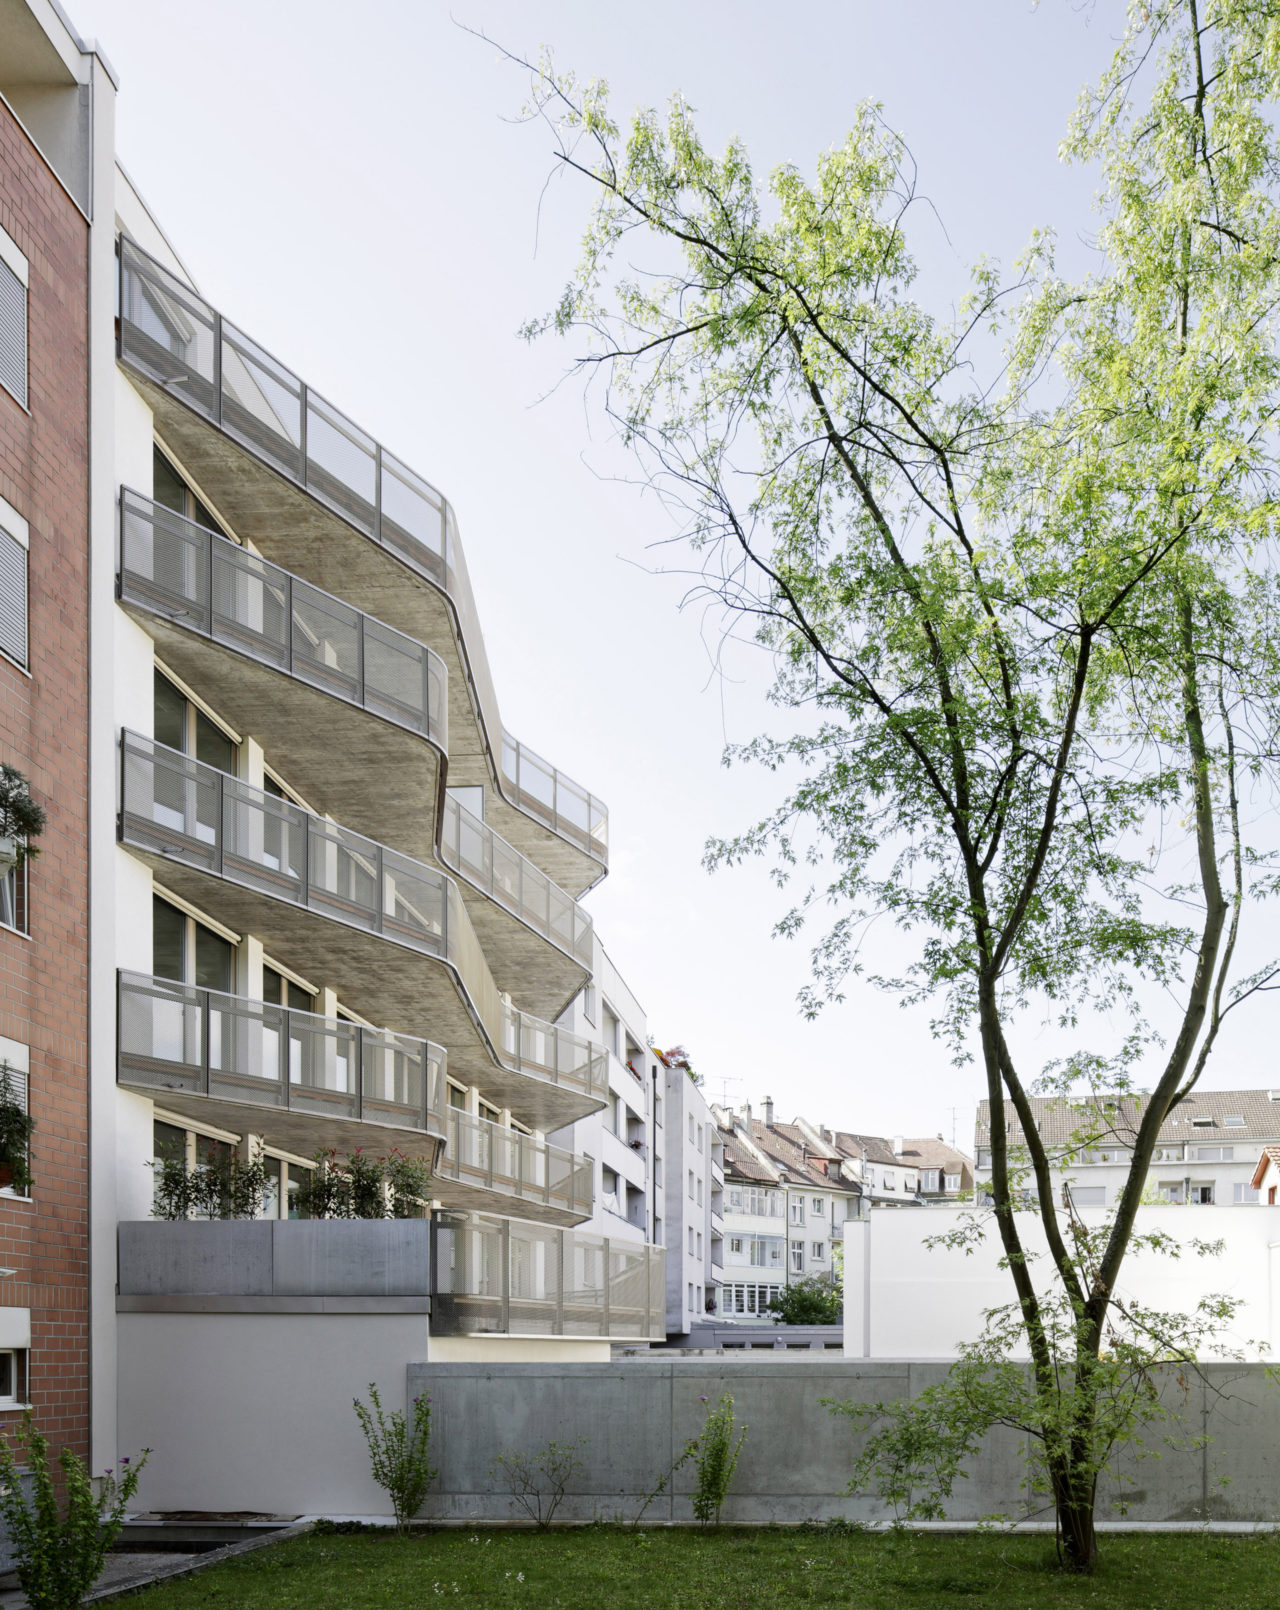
(953, 1128)
(725, 1080)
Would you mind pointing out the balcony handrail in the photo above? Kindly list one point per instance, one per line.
(537, 1170)
(207, 819)
(152, 1054)
(182, 343)
(560, 1282)
(514, 882)
(179, 569)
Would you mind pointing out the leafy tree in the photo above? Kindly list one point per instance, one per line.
(815, 1300)
(1017, 567)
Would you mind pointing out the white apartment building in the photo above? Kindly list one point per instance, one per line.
(898, 1172)
(787, 1195)
(1206, 1152)
(695, 1185)
(334, 908)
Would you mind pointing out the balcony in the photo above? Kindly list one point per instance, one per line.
(298, 669)
(483, 1158)
(322, 497)
(303, 1081)
(504, 1277)
(390, 931)
(522, 908)
(281, 1266)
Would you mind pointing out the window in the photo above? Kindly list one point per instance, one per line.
(277, 990)
(14, 541)
(1215, 1154)
(871, 1178)
(1202, 1194)
(929, 1180)
(691, 1129)
(699, 1193)
(797, 1257)
(746, 1299)
(764, 1252)
(170, 491)
(1169, 1154)
(183, 725)
(699, 1307)
(819, 1251)
(1171, 1191)
(13, 899)
(691, 1241)
(735, 1244)
(609, 1030)
(818, 1207)
(984, 1157)
(691, 1296)
(699, 1137)
(13, 318)
(1202, 1123)
(953, 1182)
(1244, 1193)
(590, 1009)
(13, 1377)
(1234, 1120)
(890, 1181)
(699, 1243)
(188, 952)
(16, 1057)
(797, 1210)
(1089, 1195)
(691, 1185)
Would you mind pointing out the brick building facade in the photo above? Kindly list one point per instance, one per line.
(44, 716)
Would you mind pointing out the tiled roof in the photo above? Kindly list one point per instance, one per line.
(933, 1153)
(789, 1156)
(739, 1163)
(876, 1148)
(1270, 1154)
(1058, 1120)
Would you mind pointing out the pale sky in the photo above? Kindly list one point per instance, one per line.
(347, 183)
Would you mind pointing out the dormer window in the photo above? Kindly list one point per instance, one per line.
(1234, 1120)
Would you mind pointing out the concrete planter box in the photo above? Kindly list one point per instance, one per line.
(274, 1266)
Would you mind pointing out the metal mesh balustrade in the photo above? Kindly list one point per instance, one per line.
(508, 1277)
(196, 577)
(473, 850)
(485, 1154)
(181, 1038)
(174, 337)
(175, 806)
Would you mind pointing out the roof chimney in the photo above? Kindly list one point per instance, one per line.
(768, 1111)
(897, 1145)
(746, 1110)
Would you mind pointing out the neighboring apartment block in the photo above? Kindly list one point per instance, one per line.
(695, 1185)
(1206, 1152)
(896, 1172)
(49, 87)
(787, 1195)
(300, 891)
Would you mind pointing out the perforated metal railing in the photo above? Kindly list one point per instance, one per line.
(180, 1038)
(180, 570)
(472, 849)
(180, 342)
(178, 807)
(508, 1277)
(486, 1154)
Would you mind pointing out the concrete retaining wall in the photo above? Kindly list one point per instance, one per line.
(635, 1415)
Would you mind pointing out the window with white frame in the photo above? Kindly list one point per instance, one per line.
(929, 1180)
(818, 1207)
(1202, 1194)
(763, 1252)
(797, 1210)
(14, 280)
(1245, 1193)
(691, 1185)
(14, 541)
(691, 1241)
(589, 1006)
(818, 1251)
(953, 1182)
(15, 1059)
(699, 1193)
(744, 1299)
(797, 1257)
(735, 1245)
(1089, 1195)
(13, 1377)
(699, 1243)
(1215, 1154)
(13, 899)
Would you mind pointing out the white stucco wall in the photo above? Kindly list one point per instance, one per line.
(906, 1300)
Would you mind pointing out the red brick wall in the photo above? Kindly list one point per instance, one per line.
(44, 718)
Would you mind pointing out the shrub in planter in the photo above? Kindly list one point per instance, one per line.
(223, 1186)
(360, 1186)
(16, 1124)
(21, 819)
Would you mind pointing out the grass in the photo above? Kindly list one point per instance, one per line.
(760, 1568)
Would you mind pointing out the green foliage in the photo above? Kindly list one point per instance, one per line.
(813, 1300)
(717, 1459)
(224, 1186)
(359, 1186)
(537, 1481)
(20, 817)
(1017, 564)
(398, 1444)
(16, 1125)
(60, 1550)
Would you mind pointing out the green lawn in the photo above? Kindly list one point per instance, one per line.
(757, 1569)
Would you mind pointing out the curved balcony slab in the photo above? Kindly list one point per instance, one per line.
(392, 932)
(341, 701)
(322, 498)
(301, 1081)
(483, 1163)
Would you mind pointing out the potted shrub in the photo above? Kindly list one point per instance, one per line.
(16, 1124)
(21, 820)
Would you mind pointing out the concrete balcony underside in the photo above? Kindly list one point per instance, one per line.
(299, 533)
(344, 761)
(382, 981)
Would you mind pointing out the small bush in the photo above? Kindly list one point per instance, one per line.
(718, 1452)
(537, 1481)
(60, 1555)
(398, 1447)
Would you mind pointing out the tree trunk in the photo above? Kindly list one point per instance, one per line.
(1077, 1539)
